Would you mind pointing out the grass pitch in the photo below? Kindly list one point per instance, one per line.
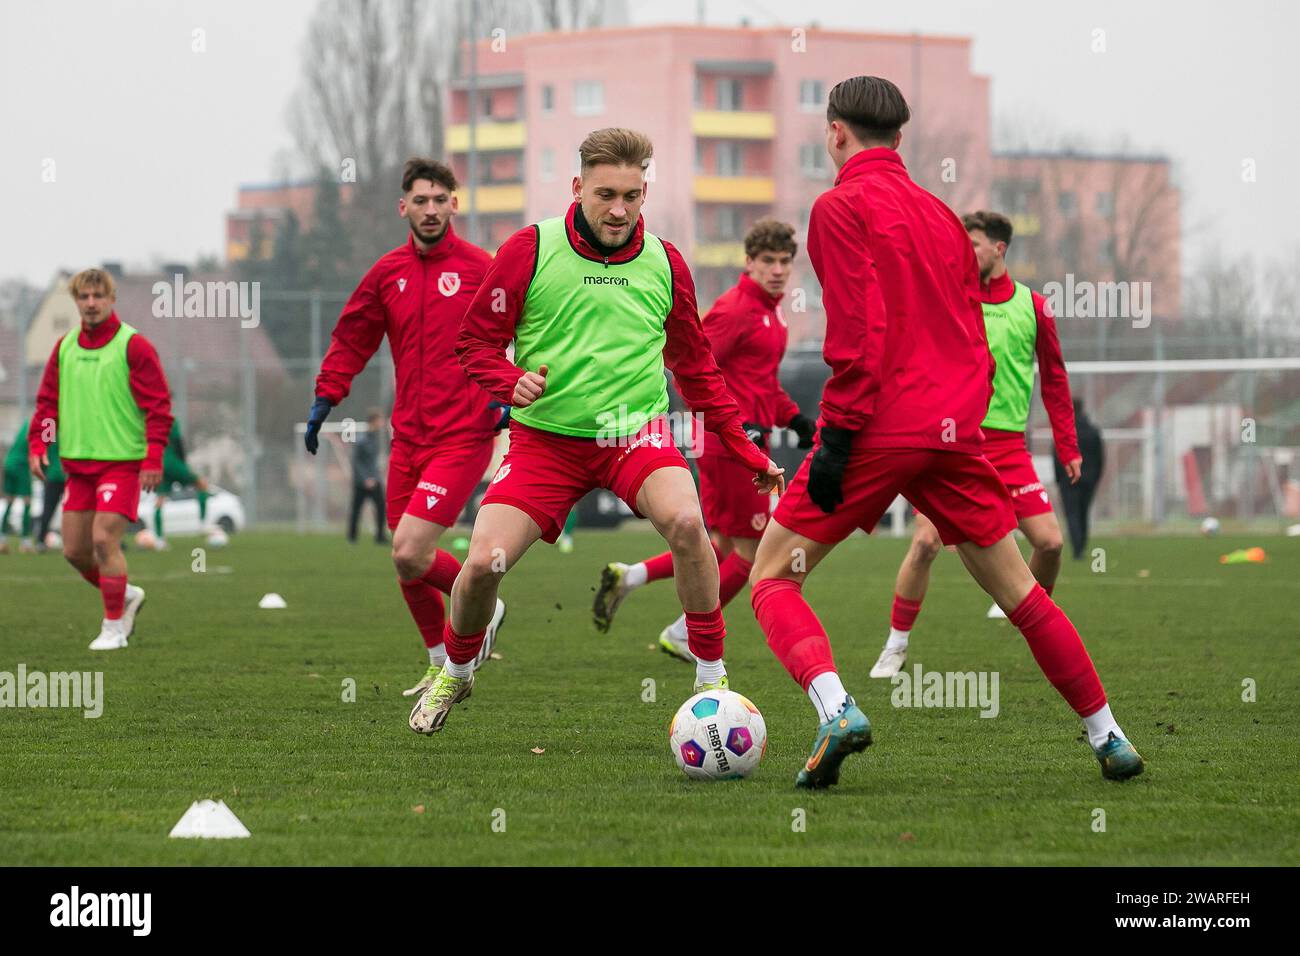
(216, 698)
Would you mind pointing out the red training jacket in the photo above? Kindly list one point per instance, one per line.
(1053, 380)
(748, 336)
(148, 386)
(417, 299)
(910, 363)
(485, 332)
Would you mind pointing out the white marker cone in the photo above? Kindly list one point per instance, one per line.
(209, 820)
(272, 600)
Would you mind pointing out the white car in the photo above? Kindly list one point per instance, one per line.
(180, 512)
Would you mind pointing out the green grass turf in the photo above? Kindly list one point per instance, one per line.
(216, 698)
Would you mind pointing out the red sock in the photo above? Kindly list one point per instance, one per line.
(1059, 651)
(425, 603)
(661, 565)
(462, 649)
(705, 632)
(793, 632)
(92, 576)
(904, 614)
(113, 588)
(733, 572)
(442, 573)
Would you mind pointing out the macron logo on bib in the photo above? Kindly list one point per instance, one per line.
(604, 280)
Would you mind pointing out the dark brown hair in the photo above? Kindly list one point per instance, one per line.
(993, 224)
(770, 235)
(419, 167)
(871, 107)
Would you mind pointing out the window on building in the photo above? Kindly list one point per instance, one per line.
(729, 224)
(1014, 196)
(485, 104)
(728, 93)
(727, 158)
(546, 171)
(1066, 203)
(588, 97)
(1105, 205)
(699, 90)
(812, 96)
(548, 99)
(812, 160)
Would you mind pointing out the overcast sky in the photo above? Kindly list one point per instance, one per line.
(149, 140)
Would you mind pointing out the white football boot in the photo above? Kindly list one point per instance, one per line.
(490, 634)
(673, 640)
(112, 635)
(130, 607)
(890, 661)
(996, 614)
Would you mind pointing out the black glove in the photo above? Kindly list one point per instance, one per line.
(805, 428)
(503, 421)
(320, 409)
(826, 470)
(756, 433)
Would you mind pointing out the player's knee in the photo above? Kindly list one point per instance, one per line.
(78, 557)
(684, 529)
(925, 548)
(482, 565)
(1050, 544)
(409, 560)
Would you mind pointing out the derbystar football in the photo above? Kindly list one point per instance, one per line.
(218, 538)
(718, 735)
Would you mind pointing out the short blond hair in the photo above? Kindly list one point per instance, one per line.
(92, 277)
(616, 146)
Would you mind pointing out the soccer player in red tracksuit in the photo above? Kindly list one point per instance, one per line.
(1020, 329)
(105, 397)
(911, 379)
(443, 427)
(597, 306)
(747, 333)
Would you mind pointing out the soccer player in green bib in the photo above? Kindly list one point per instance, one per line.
(104, 395)
(17, 490)
(597, 307)
(1020, 330)
(177, 472)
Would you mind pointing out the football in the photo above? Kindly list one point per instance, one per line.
(1210, 526)
(218, 538)
(717, 735)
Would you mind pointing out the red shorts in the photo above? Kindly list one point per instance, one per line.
(545, 474)
(732, 505)
(961, 493)
(433, 482)
(108, 486)
(1006, 451)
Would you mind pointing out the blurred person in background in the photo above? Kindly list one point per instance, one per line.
(1076, 496)
(366, 482)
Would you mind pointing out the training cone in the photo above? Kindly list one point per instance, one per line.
(1244, 556)
(272, 600)
(209, 820)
